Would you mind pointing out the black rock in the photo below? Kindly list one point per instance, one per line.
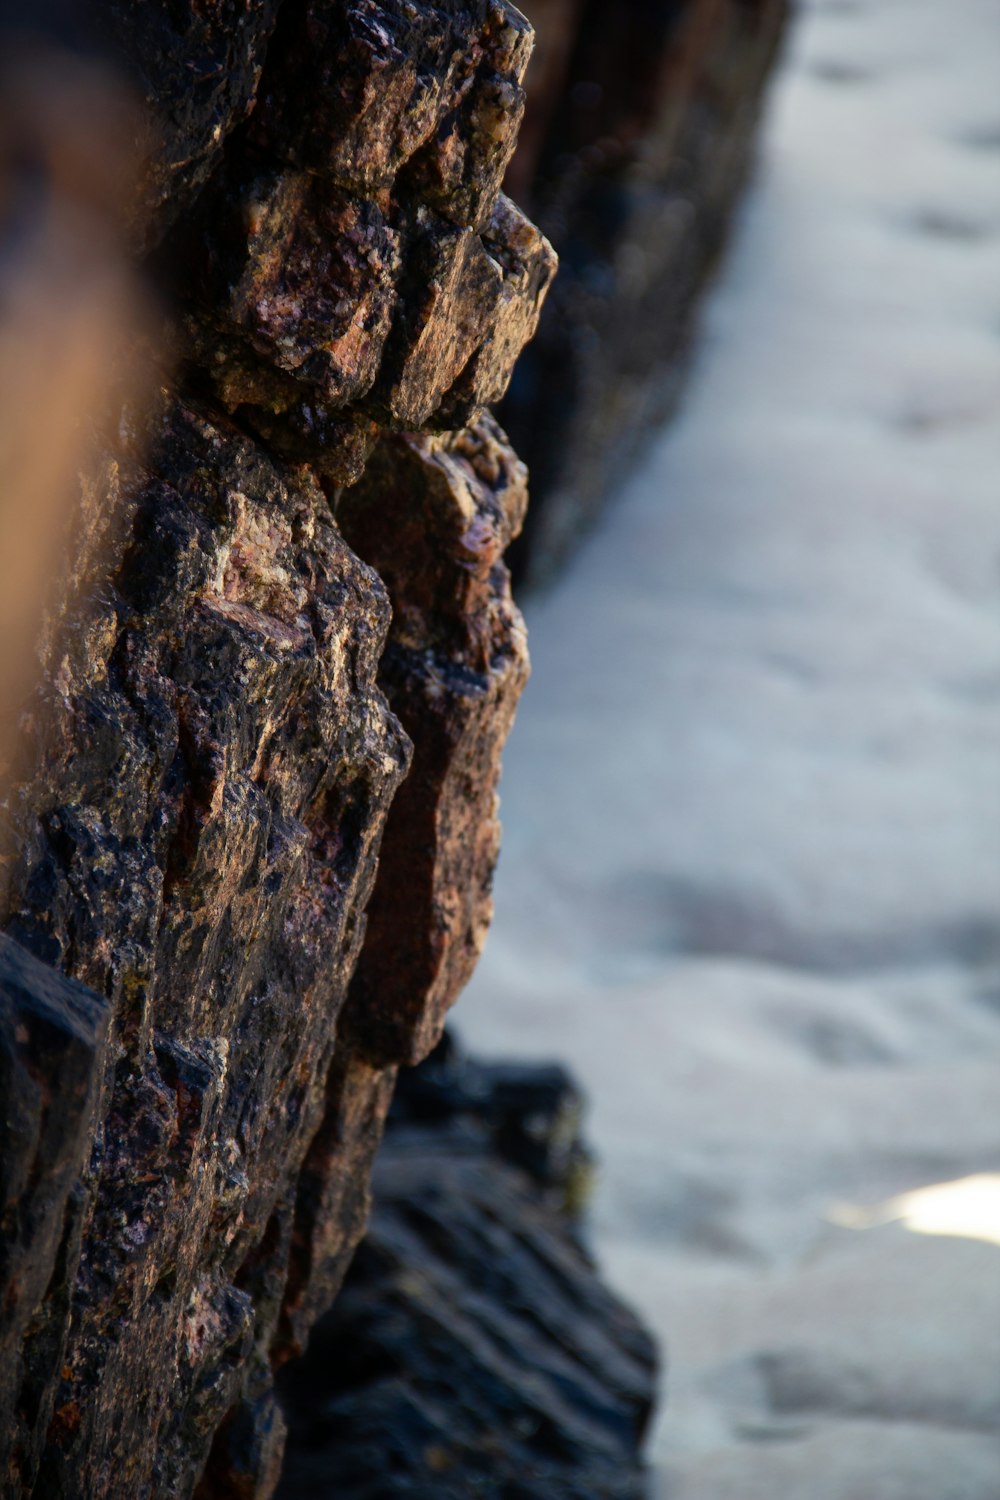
(474, 1350)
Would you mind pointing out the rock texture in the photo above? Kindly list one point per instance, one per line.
(723, 858)
(435, 515)
(355, 266)
(252, 640)
(473, 1350)
(53, 1035)
(640, 127)
(214, 771)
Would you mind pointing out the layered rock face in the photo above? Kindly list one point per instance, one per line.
(639, 131)
(281, 641)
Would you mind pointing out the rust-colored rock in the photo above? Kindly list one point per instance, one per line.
(434, 516)
(213, 753)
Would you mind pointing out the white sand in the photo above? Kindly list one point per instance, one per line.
(750, 889)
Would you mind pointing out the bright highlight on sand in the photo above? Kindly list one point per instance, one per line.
(968, 1208)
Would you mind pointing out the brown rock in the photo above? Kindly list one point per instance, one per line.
(192, 823)
(461, 167)
(315, 294)
(198, 844)
(434, 516)
(443, 323)
(528, 264)
(355, 254)
(309, 301)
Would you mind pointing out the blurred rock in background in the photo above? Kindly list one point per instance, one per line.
(639, 131)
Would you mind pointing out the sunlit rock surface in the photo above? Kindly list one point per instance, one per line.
(198, 1069)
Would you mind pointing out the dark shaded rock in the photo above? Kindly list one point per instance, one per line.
(529, 1115)
(638, 135)
(473, 1350)
(333, 1198)
(195, 69)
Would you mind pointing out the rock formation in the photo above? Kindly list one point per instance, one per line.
(473, 1349)
(281, 640)
(638, 134)
(248, 819)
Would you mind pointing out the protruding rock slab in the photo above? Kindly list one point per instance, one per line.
(433, 516)
(354, 260)
(310, 299)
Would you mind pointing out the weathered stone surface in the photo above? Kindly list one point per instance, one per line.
(355, 256)
(527, 265)
(461, 167)
(435, 87)
(639, 133)
(53, 1033)
(333, 1195)
(441, 326)
(315, 293)
(195, 69)
(192, 820)
(213, 776)
(434, 515)
(473, 1350)
(310, 299)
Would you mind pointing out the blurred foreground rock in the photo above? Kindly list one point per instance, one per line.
(473, 1349)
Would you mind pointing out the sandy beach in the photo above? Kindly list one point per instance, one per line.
(750, 886)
